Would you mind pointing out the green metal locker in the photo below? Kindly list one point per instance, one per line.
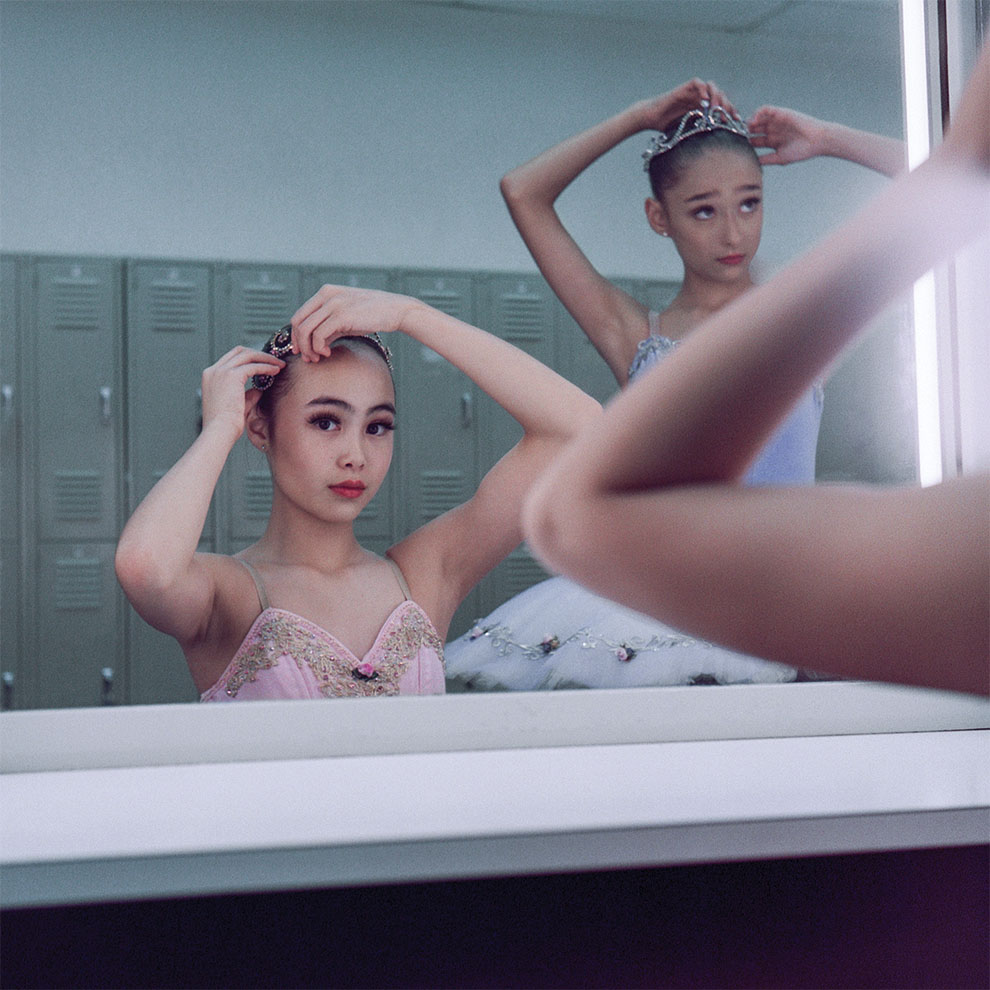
(169, 343)
(74, 642)
(77, 398)
(519, 309)
(253, 302)
(78, 656)
(11, 495)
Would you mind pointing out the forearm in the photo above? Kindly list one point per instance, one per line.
(159, 541)
(542, 402)
(882, 154)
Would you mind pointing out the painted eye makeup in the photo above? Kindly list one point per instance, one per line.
(381, 428)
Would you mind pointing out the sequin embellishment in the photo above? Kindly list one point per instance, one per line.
(285, 635)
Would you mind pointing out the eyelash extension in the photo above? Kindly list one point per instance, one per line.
(323, 417)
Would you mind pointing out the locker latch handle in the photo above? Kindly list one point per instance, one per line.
(106, 689)
(105, 395)
(467, 410)
(7, 399)
(8, 690)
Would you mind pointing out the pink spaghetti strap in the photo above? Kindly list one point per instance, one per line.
(258, 583)
(403, 587)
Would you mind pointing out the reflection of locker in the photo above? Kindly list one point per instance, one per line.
(77, 398)
(78, 650)
(11, 495)
(74, 389)
(253, 302)
(436, 400)
(519, 309)
(169, 327)
(168, 346)
(375, 528)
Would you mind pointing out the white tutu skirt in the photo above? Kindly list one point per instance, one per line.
(558, 635)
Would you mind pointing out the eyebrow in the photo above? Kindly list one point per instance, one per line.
(326, 400)
(754, 187)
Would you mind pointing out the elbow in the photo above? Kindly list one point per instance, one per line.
(509, 186)
(584, 412)
(137, 570)
(515, 188)
(557, 512)
(555, 526)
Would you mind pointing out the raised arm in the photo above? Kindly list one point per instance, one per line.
(612, 319)
(885, 584)
(796, 137)
(445, 558)
(168, 583)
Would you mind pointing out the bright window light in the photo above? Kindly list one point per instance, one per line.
(916, 125)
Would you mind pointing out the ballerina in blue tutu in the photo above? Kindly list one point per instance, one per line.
(889, 583)
(707, 198)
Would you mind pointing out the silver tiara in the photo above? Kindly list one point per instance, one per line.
(699, 121)
(279, 344)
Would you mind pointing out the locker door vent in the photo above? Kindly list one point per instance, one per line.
(257, 494)
(78, 583)
(265, 309)
(521, 317)
(440, 491)
(173, 306)
(75, 304)
(78, 495)
(522, 572)
(451, 303)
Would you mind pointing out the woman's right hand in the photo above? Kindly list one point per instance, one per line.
(225, 386)
(662, 111)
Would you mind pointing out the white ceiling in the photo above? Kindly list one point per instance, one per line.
(805, 19)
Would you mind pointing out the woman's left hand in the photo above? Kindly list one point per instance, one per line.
(794, 136)
(340, 311)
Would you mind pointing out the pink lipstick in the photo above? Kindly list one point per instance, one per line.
(349, 489)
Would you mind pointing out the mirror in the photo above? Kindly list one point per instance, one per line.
(375, 135)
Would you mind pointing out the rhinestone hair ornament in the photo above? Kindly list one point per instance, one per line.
(279, 344)
(706, 118)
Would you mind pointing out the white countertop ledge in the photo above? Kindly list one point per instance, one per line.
(183, 817)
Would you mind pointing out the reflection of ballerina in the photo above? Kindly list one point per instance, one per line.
(306, 612)
(707, 198)
(891, 584)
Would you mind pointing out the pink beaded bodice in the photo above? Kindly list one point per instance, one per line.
(285, 655)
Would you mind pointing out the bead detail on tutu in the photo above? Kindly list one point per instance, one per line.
(503, 642)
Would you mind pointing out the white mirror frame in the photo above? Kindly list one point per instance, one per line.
(172, 800)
